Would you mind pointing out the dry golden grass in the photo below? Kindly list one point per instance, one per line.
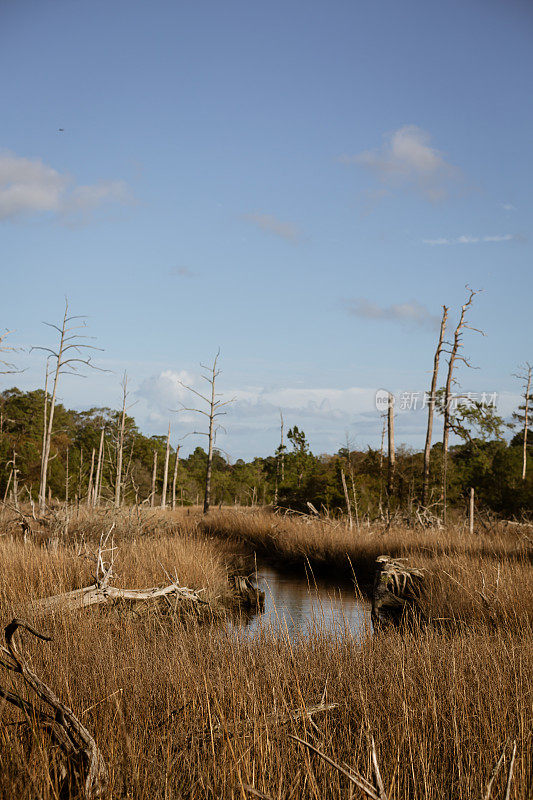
(181, 711)
(486, 575)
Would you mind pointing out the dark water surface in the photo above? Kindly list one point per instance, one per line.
(297, 604)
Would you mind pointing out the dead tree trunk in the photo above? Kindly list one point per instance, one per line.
(525, 375)
(90, 487)
(175, 477)
(45, 424)
(99, 468)
(390, 452)
(165, 472)
(67, 359)
(15, 482)
(347, 499)
(118, 479)
(66, 479)
(457, 344)
(214, 405)
(431, 407)
(154, 477)
(526, 422)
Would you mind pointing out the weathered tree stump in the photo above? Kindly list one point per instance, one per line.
(248, 595)
(396, 593)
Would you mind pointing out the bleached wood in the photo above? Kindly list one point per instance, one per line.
(431, 406)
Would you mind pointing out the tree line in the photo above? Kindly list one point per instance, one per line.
(100, 456)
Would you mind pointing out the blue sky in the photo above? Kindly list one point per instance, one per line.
(300, 184)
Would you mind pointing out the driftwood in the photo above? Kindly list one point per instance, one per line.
(80, 599)
(218, 729)
(81, 761)
(397, 589)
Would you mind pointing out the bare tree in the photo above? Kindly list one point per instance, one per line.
(213, 413)
(525, 376)
(347, 499)
(91, 473)
(456, 345)
(391, 454)
(120, 443)
(165, 472)
(431, 406)
(280, 461)
(99, 470)
(68, 358)
(154, 478)
(175, 477)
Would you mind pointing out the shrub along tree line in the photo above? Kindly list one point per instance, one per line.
(293, 477)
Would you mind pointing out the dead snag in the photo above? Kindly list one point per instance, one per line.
(397, 590)
(82, 763)
(431, 407)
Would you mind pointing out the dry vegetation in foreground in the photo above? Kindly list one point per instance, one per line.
(184, 711)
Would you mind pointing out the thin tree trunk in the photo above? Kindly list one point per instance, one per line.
(355, 503)
(447, 402)
(45, 427)
(526, 421)
(118, 480)
(471, 514)
(15, 482)
(431, 407)
(44, 477)
(66, 480)
(80, 470)
(165, 472)
(6, 493)
(207, 496)
(154, 475)
(381, 451)
(99, 470)
(90, 487)
(390, 440)
(347, 499)
(175, 477)
(281, 448)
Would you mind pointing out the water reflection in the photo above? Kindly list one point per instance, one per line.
(298, 605)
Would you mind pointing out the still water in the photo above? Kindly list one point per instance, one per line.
(297, 604)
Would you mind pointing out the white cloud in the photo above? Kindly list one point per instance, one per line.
(508, 207)
(165, 391)
(412, 313)
(29, 187)
(254, 405)
(407, 159)
(271, 224)
(505, 237)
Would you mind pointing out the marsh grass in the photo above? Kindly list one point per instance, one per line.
(183, 711)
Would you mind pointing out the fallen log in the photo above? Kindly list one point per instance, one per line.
(218, 729)
(80, 599)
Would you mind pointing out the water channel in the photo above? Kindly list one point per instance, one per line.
(298, 604)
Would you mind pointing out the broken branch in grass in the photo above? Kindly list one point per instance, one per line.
(82, 760)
